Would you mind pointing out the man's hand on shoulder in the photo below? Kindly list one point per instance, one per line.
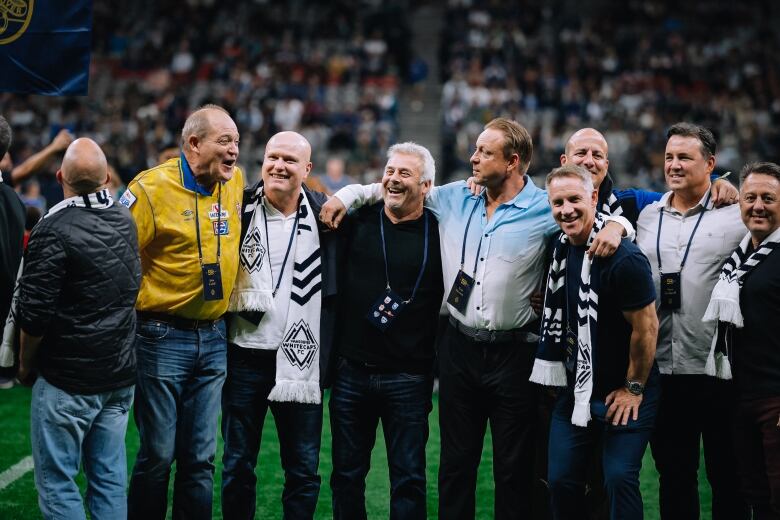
(724, 193)
(622, 404)
(607, 240)
(473, 187)
(332, 212)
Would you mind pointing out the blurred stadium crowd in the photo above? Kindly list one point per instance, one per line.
(628, 71)
(334, 72)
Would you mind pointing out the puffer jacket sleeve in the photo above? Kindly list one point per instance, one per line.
(42, 279)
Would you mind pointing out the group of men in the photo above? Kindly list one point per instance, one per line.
(350, 301)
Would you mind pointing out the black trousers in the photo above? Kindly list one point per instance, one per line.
(481, 383)
(696, 409)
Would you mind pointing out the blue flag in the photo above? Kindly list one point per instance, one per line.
(45, 46)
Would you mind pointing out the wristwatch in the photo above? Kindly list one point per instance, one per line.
(635, 387)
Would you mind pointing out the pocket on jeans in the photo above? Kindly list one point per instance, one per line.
(152, 330)
(219, 328)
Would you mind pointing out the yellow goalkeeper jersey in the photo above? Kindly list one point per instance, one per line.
(163, 203)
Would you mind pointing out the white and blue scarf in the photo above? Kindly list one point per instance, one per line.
(549, 368)
(724, 301)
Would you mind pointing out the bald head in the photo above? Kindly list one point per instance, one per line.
(84, 168)
(588, 148)
(291, 141)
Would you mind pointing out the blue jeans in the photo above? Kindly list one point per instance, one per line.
(67, 429)
(622, 450)
(180, 377)
(358, 400)
(251, 376)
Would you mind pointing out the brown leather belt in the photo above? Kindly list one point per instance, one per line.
(177, 322)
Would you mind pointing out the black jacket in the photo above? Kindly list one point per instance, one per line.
(329, 248)
(81, 278)
(11, 238)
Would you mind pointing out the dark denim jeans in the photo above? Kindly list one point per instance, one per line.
(622, 450)
(358, 400)
(251, 376)
(70, 429)
(180, 377)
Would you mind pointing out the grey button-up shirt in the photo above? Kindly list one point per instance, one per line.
(683, 339)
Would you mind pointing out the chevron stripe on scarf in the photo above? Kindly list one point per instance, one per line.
(724, 302)
(298, 355)
(549, 368)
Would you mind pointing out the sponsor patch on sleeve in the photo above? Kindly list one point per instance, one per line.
(127, 199)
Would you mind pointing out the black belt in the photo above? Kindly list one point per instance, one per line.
(494, 336)
(177, 322)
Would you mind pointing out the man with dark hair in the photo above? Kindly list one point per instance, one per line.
(77, 319)
(687, 240)
(492, 251)
(604, 360)
(12, 217)
(746, 304)
(188, 215)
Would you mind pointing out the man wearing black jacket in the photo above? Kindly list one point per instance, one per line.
(77, 319)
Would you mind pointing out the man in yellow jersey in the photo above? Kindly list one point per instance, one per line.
(187, 211)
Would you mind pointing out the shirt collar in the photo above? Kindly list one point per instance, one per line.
(188, 178)
(666, 199)
(522, 199)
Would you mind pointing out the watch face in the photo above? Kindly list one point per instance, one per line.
(634, 387)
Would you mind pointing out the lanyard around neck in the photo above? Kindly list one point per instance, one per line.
(219, 224)
(384, 253)
(289, 244)
(690, 239)
(465, 236)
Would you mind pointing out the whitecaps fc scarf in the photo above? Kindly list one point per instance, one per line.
(99, 200)
(724, 302)
(298, 356)
(549, 368)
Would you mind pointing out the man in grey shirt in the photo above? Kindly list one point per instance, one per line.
(687, 240)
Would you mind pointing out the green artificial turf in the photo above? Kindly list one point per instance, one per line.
(19, 500)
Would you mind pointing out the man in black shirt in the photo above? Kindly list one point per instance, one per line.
(391, 292)
(598, 341)
(746, 300)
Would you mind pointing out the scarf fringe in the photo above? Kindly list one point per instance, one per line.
(548, 373)
(580, 416)
(296, 392)
(724, 303)
(251, 300)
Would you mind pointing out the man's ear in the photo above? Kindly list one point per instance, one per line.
(58, 175)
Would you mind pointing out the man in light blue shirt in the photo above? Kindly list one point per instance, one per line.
(493, 247)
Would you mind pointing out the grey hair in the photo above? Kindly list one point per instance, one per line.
(409, 148)
(197, 124)
(573, 171)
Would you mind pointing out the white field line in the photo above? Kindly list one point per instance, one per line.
(15, 472)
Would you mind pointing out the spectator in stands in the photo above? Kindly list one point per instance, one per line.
(11, 247)
(39, 160)
(385, 338)
(687, 240)
(77, 320)
(746, 300)
(280, 333)
(611, 384)
(188, 276)
(335, 178)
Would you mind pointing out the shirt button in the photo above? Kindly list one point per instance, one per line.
(481, 259)
(486, 235)
(478, 283)
(477, 308)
